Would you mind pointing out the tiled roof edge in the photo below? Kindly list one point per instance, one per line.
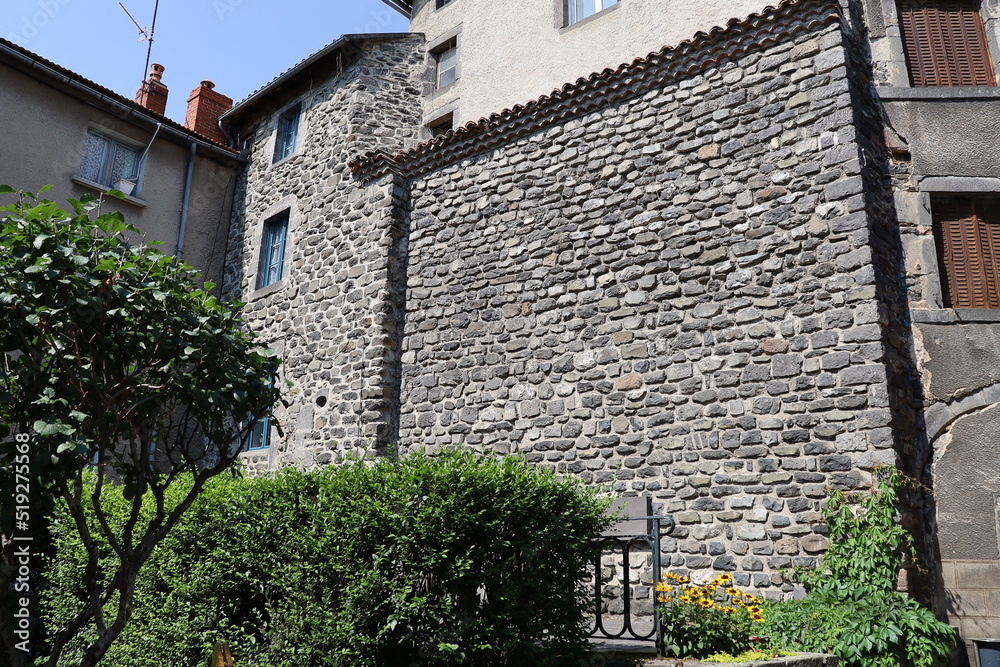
(758, 31)
(342, 42)
(97, 88)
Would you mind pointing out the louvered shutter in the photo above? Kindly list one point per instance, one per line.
(967, 232)
(945, 43)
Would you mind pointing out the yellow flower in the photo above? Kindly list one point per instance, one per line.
(733, 592)
(662, 587)
(663, 598)
(738, 602)
(726, 577)
(686, 599)
(707, 603)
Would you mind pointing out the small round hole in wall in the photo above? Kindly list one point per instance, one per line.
(321, 401)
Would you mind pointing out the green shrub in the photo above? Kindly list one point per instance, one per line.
(449, 560)
(853, 608)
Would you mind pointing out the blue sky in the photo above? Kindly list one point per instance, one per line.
(238, 44)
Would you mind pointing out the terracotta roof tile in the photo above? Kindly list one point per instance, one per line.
(738, 37)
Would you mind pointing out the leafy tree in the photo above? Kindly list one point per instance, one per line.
(112, 361)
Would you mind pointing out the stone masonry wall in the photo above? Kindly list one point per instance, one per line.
(334, 317)
(671, 294)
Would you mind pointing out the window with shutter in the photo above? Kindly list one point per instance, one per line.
(967, 233)
(945, 43)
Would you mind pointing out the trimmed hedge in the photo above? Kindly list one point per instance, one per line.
(457, 559)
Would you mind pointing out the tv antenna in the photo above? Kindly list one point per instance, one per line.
(145, 33)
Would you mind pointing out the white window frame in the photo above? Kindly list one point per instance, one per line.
(130, 185)
(574, 8)
(449, 47)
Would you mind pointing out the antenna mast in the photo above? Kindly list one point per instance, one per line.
(145, 34)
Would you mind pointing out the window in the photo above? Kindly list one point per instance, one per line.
(259, 437)
(438, 4)
(446, 57)
(945, 44)
(967, 235)
(441, 125)
(110, 163)
(272, 251)
(577, 10)
(288, 133)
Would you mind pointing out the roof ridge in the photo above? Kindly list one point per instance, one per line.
(564, 102)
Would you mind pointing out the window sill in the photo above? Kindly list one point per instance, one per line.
(942, 93)
(955, 316)
(288, 158)
(103, 189)
(265, 291)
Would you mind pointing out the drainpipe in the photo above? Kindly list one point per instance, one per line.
(229, 138)
(187, 199)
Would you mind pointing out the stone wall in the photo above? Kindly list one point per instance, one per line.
(334, 317)
(662, 281)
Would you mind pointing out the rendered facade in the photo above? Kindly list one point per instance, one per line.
(757, 261)
(63, 130)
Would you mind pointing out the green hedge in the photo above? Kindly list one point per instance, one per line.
(456, 559)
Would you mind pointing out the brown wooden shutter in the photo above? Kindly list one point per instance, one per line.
(967, 232)
(945, 43)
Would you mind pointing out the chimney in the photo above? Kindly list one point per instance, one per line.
(153, 94)
(205, 105)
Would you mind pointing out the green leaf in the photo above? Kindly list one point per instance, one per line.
(44, 428)
(118, 194)
(7, 190)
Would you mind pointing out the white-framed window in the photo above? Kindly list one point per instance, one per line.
(111, 163)
(446, 59)
(577, 10)
(438, 4)
(288, 133)
(272, 251)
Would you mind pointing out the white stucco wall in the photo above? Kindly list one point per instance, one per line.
(513, 51)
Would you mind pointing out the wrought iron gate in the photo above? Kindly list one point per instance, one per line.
(627, 545)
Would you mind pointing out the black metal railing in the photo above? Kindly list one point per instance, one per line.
(627, 545)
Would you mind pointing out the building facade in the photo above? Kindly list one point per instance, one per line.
(715, 276)
(756, 261)
(63, 130)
